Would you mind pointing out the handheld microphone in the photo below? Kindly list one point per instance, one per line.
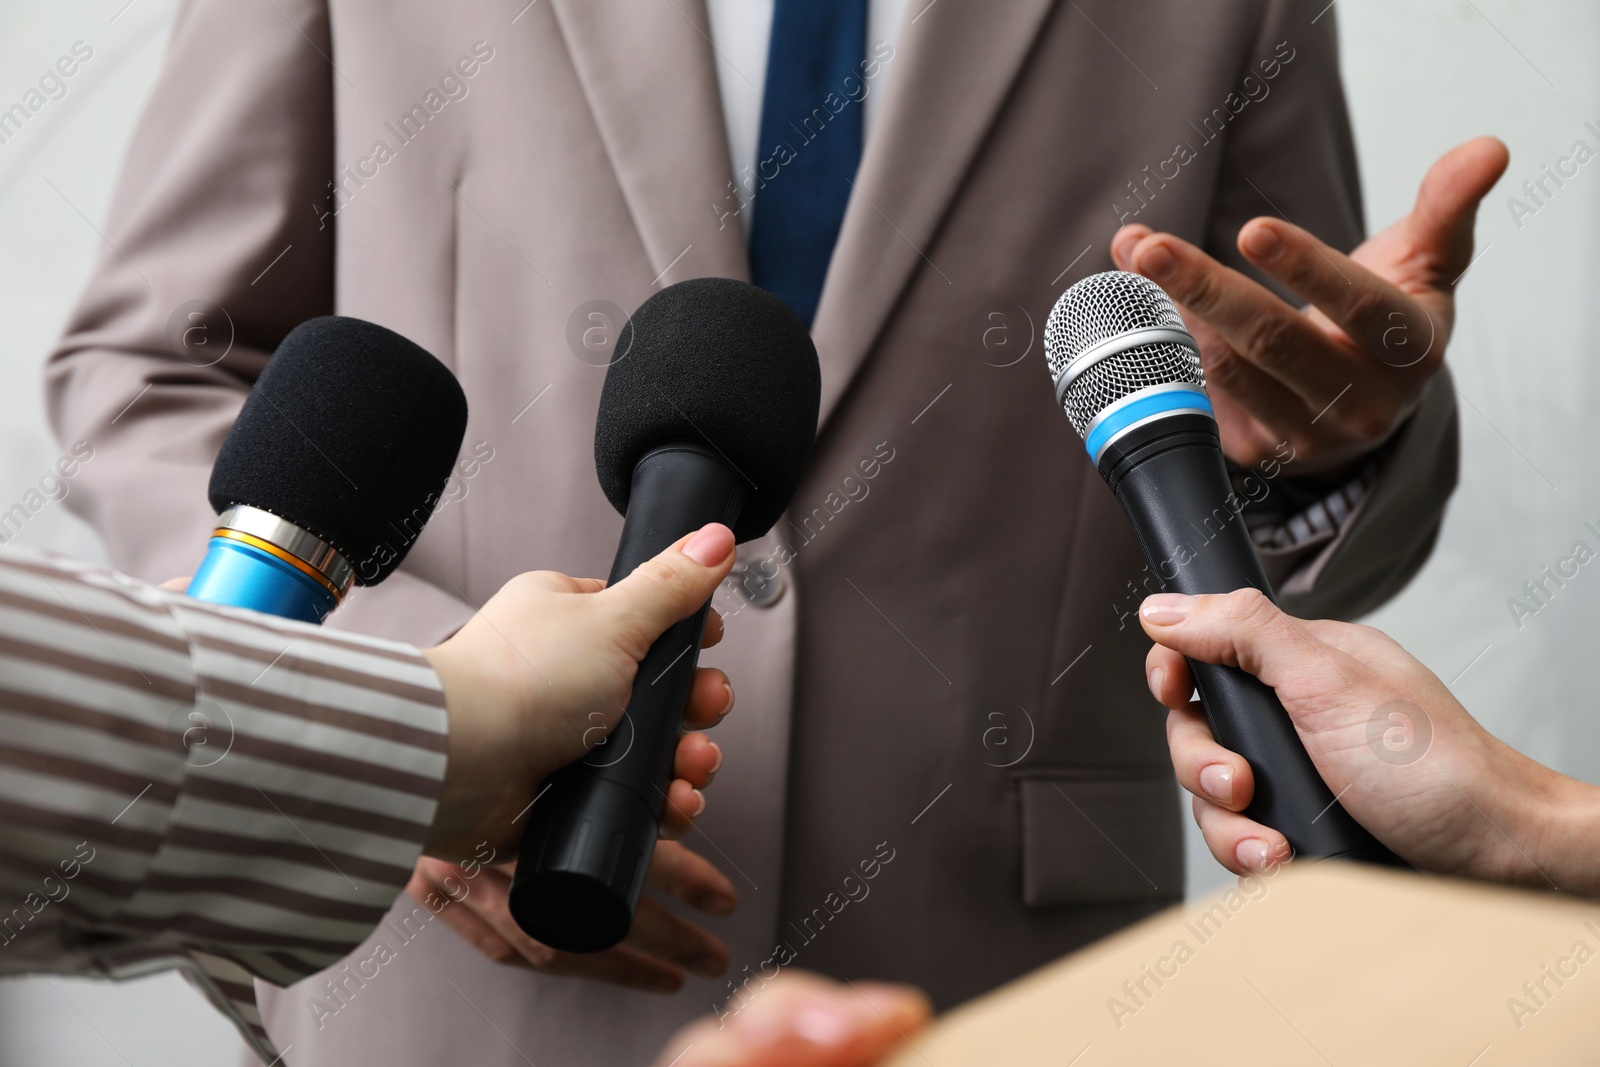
(331, 470)
(709, 418)
(1128, 375)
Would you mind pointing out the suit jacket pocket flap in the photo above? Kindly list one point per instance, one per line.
(1100, 838)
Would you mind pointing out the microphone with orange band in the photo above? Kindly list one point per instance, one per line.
(336, 461)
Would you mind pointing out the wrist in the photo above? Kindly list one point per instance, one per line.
(455, 789)
(490, 771)
(1567, 839)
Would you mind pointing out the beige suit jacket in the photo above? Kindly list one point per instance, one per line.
(950, 679)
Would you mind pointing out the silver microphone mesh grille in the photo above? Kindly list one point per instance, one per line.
(1097, 309)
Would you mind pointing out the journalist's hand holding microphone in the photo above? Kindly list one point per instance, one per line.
(537, 678)
(1402, 754)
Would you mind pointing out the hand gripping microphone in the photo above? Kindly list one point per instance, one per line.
(709, 417)
(332, 468)
(1128, 375)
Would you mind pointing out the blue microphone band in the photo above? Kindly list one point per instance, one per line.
(243, 576)
(1136, 409)
(261, 562)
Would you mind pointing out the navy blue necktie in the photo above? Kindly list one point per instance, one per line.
(810, 145)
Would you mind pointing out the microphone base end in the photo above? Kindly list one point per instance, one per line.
(583, 864)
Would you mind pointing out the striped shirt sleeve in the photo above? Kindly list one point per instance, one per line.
(189, 786)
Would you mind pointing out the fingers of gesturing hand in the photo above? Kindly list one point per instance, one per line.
(1255, 323)
(1332, 383)
(1378, 323)
(1242, 392)
(1385, 323)
(1440, 226)
(1124, 241)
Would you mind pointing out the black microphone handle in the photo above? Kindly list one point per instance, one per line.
(590, 836)
(1170, 478)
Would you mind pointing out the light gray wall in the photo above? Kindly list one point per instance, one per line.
(1422, 75)
(62, 164)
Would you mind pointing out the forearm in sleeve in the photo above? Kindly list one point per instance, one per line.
(195, 787)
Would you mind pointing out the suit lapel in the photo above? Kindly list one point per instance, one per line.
(953, 66)
(648, 73)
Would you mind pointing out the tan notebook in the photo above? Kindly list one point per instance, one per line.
(1318, 965)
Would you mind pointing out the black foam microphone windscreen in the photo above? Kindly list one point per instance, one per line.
(723, 363)
(350, 433)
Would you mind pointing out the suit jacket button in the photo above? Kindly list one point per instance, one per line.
(759, 578)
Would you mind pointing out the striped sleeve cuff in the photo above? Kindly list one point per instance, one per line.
(1316, 522)
(280, 781)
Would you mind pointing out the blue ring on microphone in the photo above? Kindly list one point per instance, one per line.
(1117, 419)
(236, 574)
